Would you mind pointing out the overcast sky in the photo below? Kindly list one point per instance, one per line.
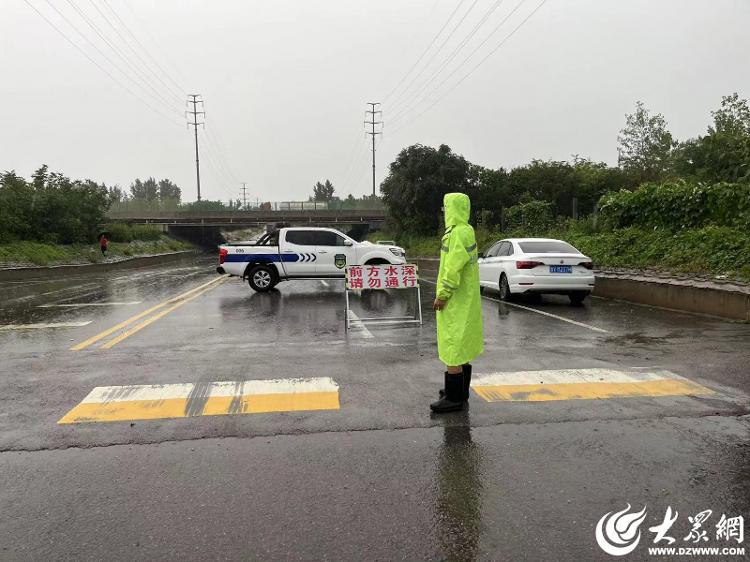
(285, 84)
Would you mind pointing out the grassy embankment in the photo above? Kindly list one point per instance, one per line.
(706, 251)
(125, 242)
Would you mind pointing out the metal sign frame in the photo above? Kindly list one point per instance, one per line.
(387, 320)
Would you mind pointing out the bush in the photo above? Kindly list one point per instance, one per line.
(145, 232)
(533, 217)
(678, 205)
(120, 232)
(50, 208)
(713, 249)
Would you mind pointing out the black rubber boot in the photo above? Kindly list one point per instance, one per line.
(467, 380)
(454, 395)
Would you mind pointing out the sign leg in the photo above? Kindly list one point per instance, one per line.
(346, 319)
(419, 304)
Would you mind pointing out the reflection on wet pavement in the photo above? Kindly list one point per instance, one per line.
(459, 491)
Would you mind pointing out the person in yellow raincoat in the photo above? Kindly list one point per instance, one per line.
(458, 304)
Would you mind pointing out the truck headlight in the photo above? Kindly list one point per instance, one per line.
(398, 252)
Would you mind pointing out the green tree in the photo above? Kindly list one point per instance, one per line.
(169, 191)
(723, 154)
(416, 182)
(323, 191)
(51, 207)
(645, 145)
(144, 190)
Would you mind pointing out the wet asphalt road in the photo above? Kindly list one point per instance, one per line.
(377, 479)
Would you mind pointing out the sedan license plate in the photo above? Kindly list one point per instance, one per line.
(561, 269)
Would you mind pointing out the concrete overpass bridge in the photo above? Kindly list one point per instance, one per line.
(319, 217)
(208, 228)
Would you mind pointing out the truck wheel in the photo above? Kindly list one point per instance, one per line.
(262, 278)
(377, 261)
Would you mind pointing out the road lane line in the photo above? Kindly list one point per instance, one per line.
(160, 401)
(138, 327)
(582, 384)
(562, 318)
(125, 323)
(63, 290)
(71, 305)
(359, 325)
(549, 314)
(325, 283)
(44, 325)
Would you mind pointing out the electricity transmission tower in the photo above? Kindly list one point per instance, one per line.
(373, 122)
(195, 101)
(244, 195)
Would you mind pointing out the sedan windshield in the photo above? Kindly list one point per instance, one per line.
(547, 247)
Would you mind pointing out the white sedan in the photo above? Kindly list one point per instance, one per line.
(536, 265)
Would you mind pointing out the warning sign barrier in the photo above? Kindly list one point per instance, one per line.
(381, 277)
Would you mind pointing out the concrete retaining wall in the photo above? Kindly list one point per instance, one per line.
(22, 273)
(730, 301)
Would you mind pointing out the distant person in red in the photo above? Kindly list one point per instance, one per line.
(104, 244)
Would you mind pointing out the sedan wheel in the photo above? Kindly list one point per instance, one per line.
(505, 294)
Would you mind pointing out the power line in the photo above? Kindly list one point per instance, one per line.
(440, 48)
(447, 61)
(212, 145)
(224, 179)
(211, 138)
(115, 50)
(480, 63)
(100, 67)
(429, 46)
(137, 41)
(470, 55)
(359, 153)
(220, 181)
(179, 95)
(212, 135)
(75, 28)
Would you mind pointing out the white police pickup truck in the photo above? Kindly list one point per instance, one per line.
(301, 253)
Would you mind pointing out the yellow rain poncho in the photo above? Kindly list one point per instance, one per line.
(459, 324)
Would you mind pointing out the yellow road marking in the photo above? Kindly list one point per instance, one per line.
(138, 327)
(93, 339)
(588, 390)
(149, 402)
(214, 406)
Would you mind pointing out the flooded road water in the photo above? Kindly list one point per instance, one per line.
(169, 413)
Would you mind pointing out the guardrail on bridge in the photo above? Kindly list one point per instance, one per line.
(254, 217)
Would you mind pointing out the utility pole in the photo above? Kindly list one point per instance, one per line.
(195, 101)
(244, 195)
(372, 112)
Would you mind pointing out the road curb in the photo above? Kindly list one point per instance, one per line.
(675, 294)
(22, 273)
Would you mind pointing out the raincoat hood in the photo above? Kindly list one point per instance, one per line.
(457, 207)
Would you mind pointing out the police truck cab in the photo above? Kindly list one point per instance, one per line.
(301, 253)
